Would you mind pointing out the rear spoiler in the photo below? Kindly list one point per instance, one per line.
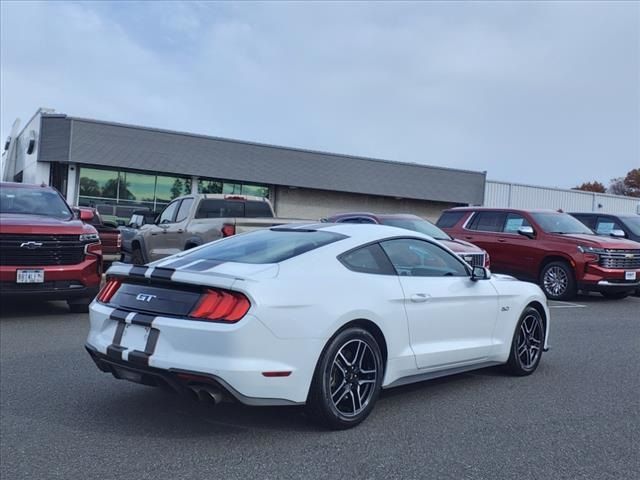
(163, 274)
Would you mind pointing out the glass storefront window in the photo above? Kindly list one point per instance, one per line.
(137, 187)
(168, 188)
(98, 183)
(118, 194)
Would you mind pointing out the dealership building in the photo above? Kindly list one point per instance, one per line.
(121, 168)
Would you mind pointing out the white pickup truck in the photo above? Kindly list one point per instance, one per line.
(193, 220)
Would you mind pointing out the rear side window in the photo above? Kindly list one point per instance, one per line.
(487, 221)
(265, 246)
(369, 259)
(449, 219)
(514, 222)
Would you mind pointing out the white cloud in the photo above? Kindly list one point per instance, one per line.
(527, 92)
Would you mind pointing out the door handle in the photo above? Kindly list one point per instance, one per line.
(468, 237)
(419, 297)
(180, 230)
(502, 240)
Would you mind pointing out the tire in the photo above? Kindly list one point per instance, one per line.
(343, 391)
(616, 295)
(136, 256)
(79, 307)
(527, 344)
(558, 281)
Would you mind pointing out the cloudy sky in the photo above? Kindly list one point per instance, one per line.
(541, 92)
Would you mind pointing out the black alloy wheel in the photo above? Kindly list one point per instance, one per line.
(527, 344)
(347, 380)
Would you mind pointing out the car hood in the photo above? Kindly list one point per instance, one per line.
(36, 224)
(460, 246)
(599, 241)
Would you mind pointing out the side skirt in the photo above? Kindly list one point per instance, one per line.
(420, 377)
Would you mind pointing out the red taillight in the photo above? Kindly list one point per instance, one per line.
(221, 305)
(228, 230)
(109, 290)
(487, 260)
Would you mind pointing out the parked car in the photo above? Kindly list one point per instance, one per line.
(471, 254)
(130, 230)
(110, 237)
(621, 226)
(550, 248)
(194, 220)
(321, 314)
(45, 251)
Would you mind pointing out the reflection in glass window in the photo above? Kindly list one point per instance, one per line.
(209, 186)
(98, 183)
(168, 188)
(137, 186)
(232, 188)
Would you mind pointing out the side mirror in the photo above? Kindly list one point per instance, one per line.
(527, 231)
(480, 273)
(86, 215)
(617, 233)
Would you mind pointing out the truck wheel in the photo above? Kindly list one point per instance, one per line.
(136, 256)
(616, 295)
(558, 281)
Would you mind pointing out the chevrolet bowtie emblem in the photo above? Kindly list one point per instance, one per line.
(30, 245)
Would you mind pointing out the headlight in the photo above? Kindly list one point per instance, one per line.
(89, 237)
(597, 251)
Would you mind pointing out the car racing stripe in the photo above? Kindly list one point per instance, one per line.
(178, 263)
(142, 319)
(138, 271)
(205, 265)
(162, 273)
(119, 315)
(141, 358)
(115, 349)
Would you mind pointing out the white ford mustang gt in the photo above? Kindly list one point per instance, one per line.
(324, 315)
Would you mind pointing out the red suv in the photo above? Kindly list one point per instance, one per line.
(45, 252)
(550, 248)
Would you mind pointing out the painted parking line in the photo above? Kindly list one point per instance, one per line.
(559, 304)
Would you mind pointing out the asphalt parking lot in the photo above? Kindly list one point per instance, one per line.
(578, 416)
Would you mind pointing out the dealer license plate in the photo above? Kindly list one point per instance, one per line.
(629, 275)
(135, 337)
(30, 276)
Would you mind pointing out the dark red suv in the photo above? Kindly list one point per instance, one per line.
(45, 251)
(551, 248)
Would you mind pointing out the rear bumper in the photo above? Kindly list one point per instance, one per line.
(112, 257)
(234, 356)
(61, 282)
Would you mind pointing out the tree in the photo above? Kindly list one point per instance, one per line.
(628, 185)
(594, 186)
(176, 189)
(89, 187)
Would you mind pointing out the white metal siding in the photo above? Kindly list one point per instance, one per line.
(515, 195)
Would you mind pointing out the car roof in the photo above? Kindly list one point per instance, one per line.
(619, 215)
(502, 209)
(360, 232)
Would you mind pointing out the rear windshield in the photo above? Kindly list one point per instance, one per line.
(219, 208)
(265, 246)
(34, 201)
(417, 225)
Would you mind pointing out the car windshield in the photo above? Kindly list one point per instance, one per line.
(632, 223)
(556, 222)
(34, 201)
(417, 225)
(265, 246)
